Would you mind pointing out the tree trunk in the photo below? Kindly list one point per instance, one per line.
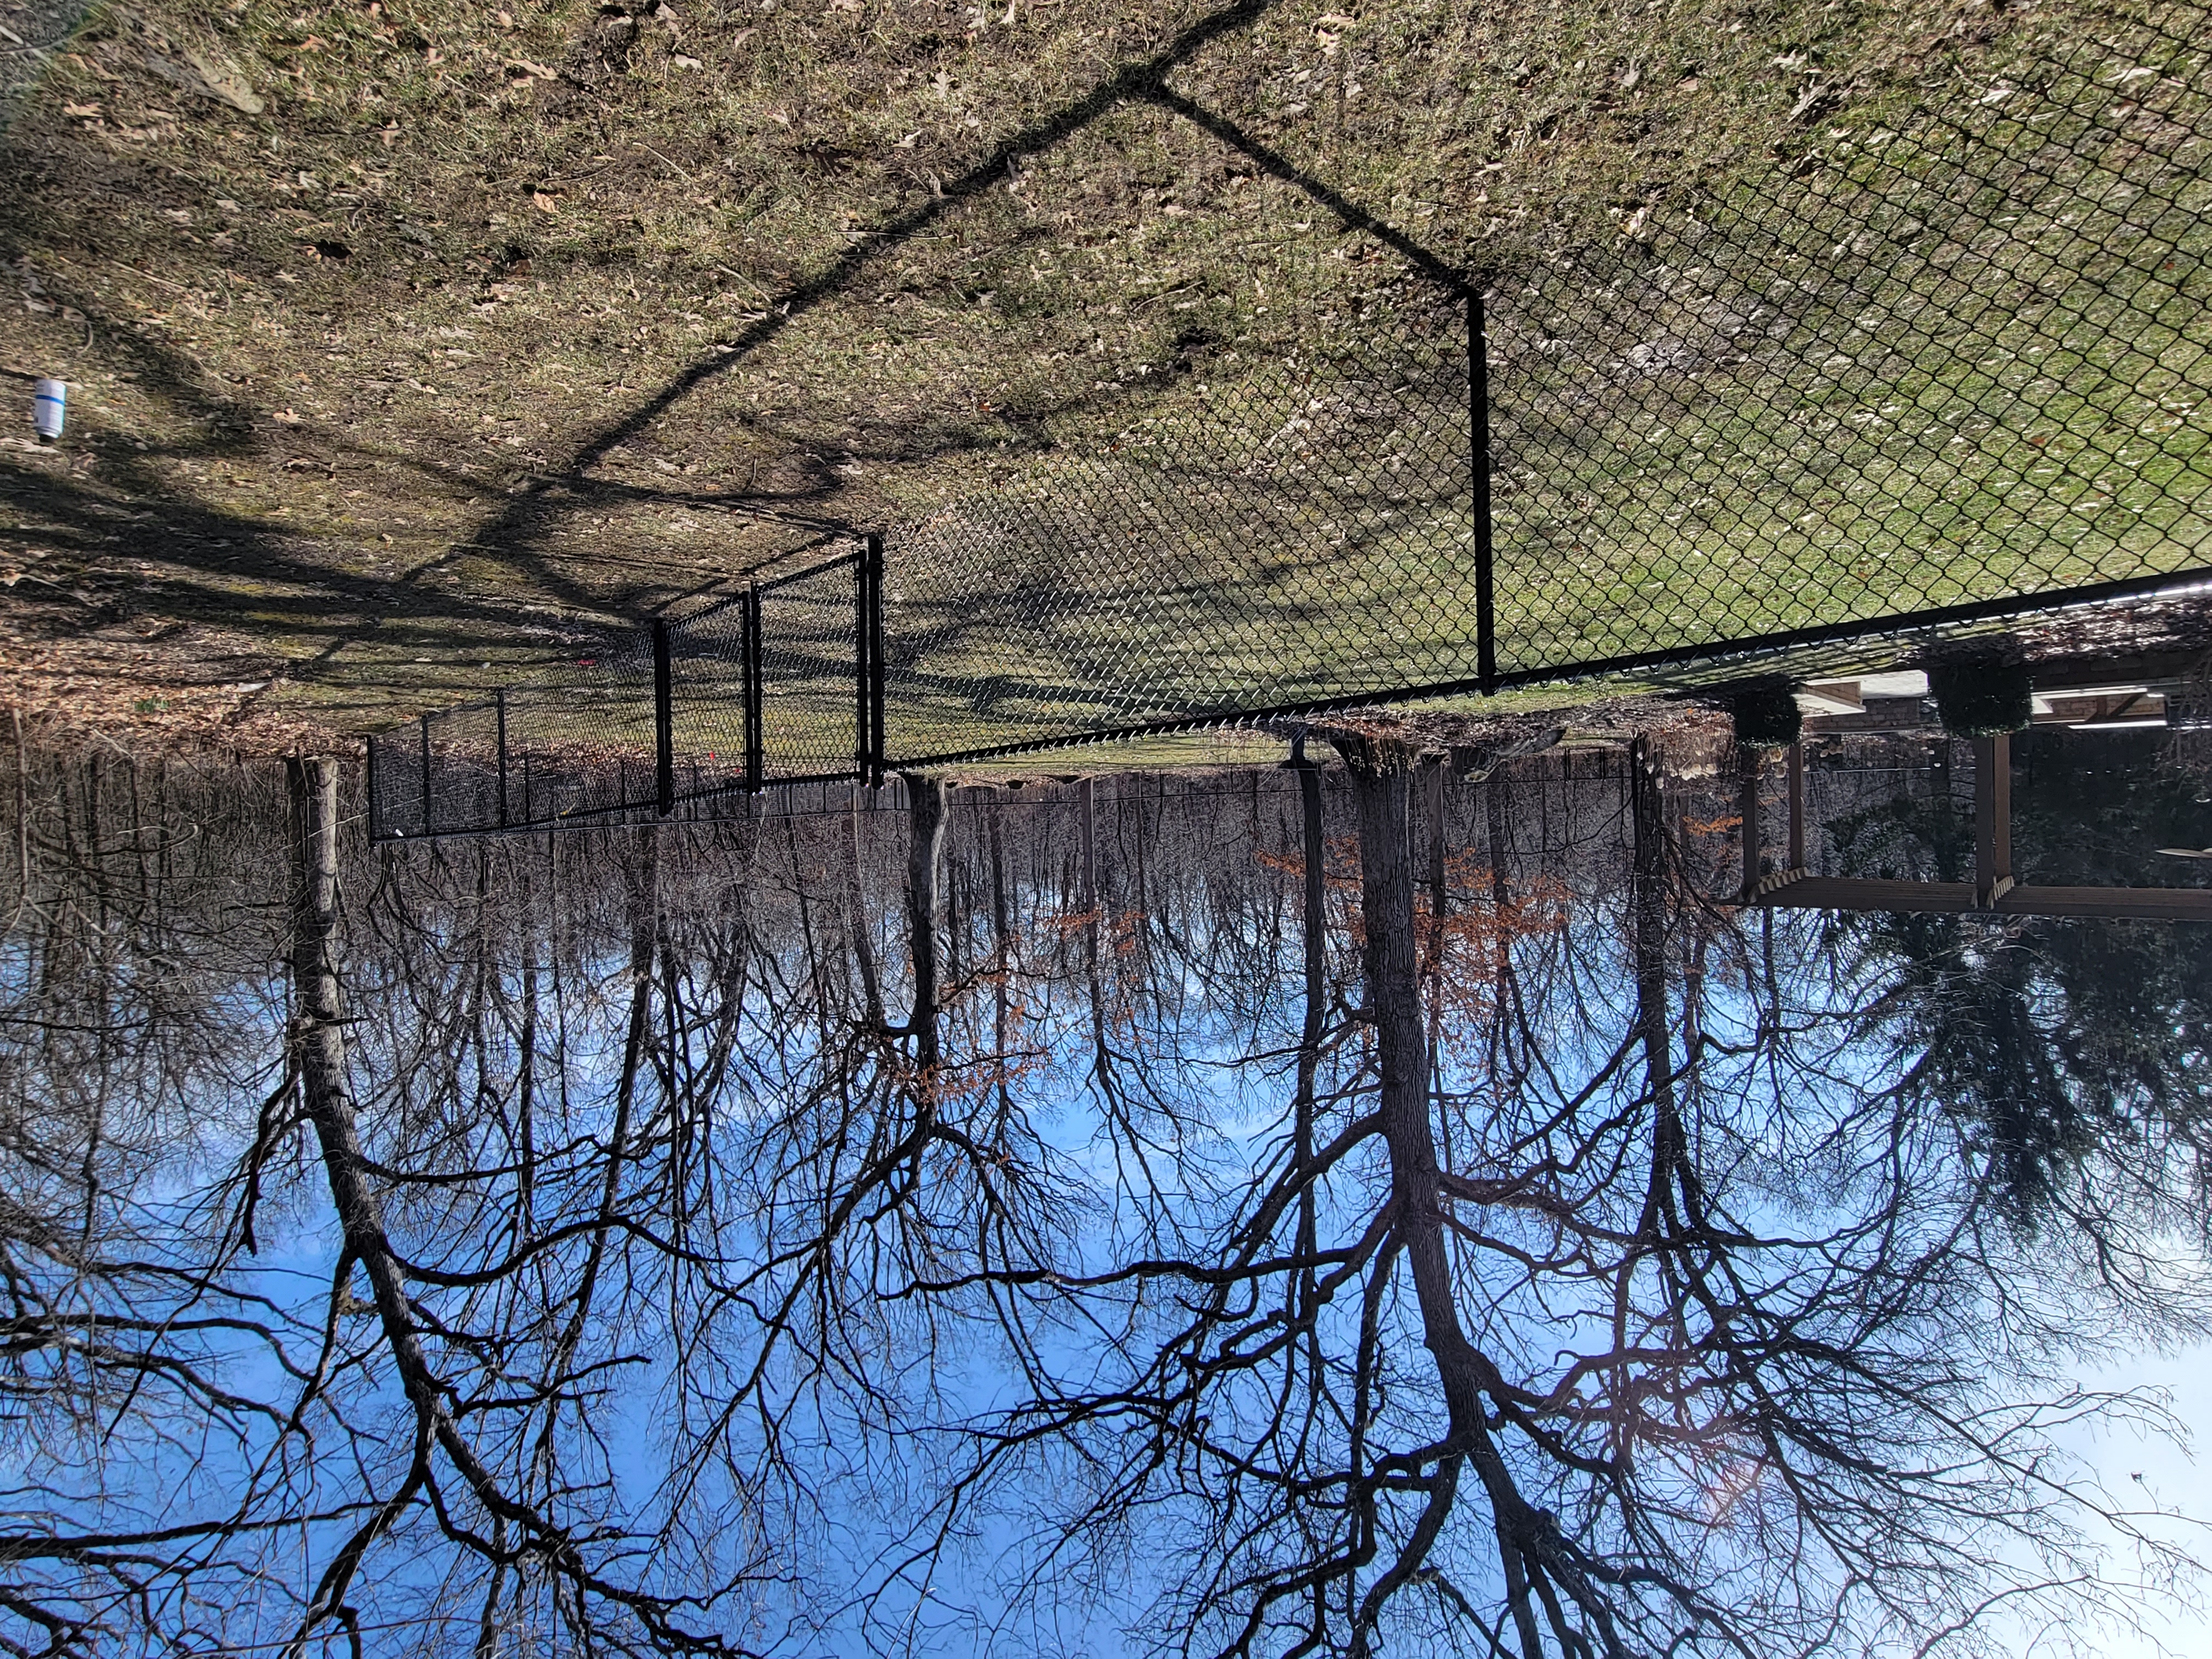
(1090, 828)
(1380, 786)
(1432, 800)
(864, 953)
(1648, 820)
(319, 1037)
(1002, 959)
(1382, 777)
(1315, 929)
(924, 908)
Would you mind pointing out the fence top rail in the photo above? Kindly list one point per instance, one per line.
(714, 608)
(785, 580)
(413, 723)
(749, 582)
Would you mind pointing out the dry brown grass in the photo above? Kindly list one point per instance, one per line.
(491, 329)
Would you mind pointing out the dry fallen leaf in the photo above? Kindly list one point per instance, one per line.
(544, 203)
(210, 74)
(82, 112)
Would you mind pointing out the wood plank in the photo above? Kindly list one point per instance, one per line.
(2125, 670)
(1862, 893)
(2154, 903)
(1957, 898)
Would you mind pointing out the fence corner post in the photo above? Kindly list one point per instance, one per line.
(1478, 410)
(664, 721)
(862, 680)
(873, 622)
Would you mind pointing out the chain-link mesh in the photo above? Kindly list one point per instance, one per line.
(810, 662)
(1957, 359)
(577, 743)
(707, 673)
(1296, 526)
(1954, 356)
(1953, 360)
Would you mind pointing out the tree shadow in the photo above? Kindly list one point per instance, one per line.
(203, 552)
(512, 531)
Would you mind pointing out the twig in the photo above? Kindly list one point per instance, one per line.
(746, 280)
(665, 163)
(173, 288)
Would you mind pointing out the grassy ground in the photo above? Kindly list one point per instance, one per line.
(414, 347)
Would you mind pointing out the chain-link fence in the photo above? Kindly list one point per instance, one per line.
(1936, 365)
(1954, 361)
(579, 742)
(763, 688)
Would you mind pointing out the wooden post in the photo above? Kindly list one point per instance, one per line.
(1090, 805)
(1749, 761)
(1992, 820)
(1798, 806)
(2001, 786)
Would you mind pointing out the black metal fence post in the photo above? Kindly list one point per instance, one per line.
(664, 721)
(1478, 410)
(755, 759)
(862, 679)
(873, 565)
(500, 699)
(426, 774)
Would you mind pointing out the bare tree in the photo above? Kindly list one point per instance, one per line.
(567, 1252)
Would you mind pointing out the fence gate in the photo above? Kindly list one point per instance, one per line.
(782, 683)
(815, 674)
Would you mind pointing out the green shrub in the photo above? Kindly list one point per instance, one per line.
(1981, 699)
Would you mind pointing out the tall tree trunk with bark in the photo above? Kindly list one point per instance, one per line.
(856, 907)
(924, 908)
(1316, 931)
(318, 1038)
(1381, 787)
